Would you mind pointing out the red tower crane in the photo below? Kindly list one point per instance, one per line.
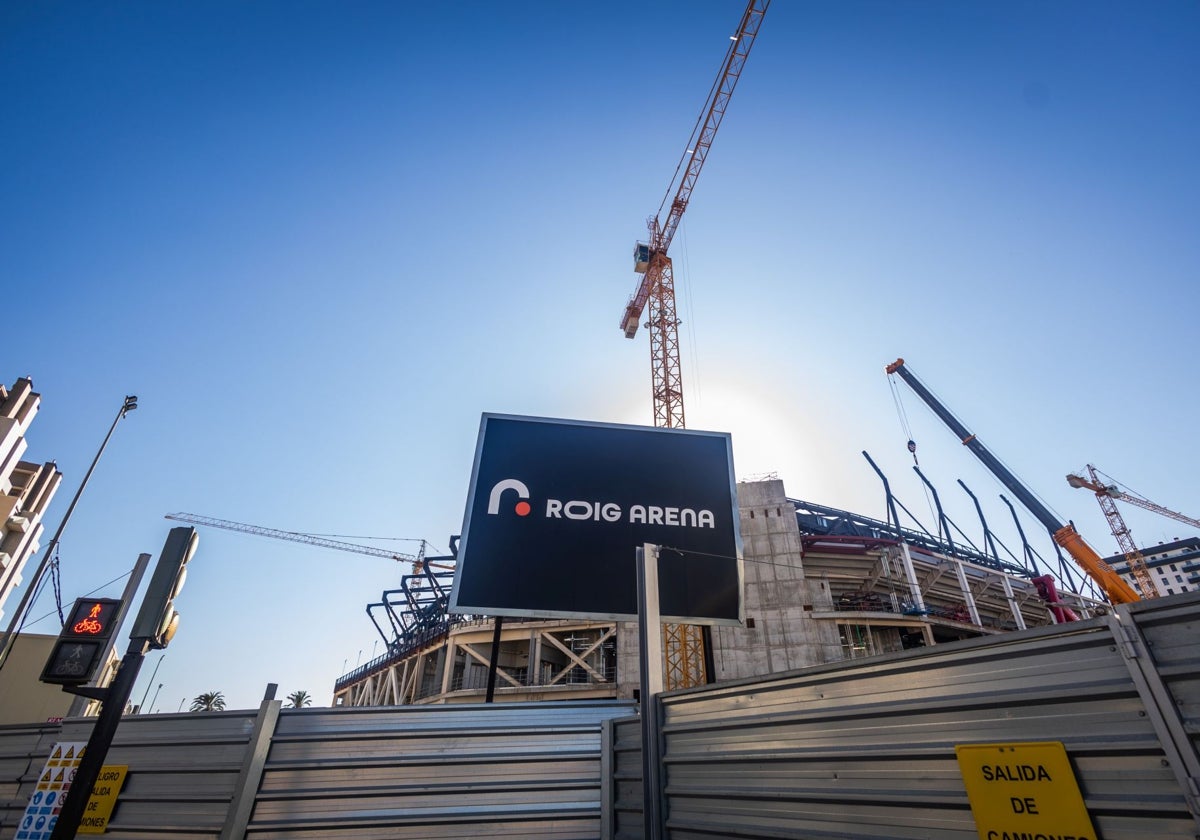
(657, 286)
(684, 643)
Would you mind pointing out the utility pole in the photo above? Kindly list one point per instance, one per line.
(10, 635)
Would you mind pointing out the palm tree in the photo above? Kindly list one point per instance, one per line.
(209, 701)
(299, 699)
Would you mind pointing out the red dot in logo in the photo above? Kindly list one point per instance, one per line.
(523, 508)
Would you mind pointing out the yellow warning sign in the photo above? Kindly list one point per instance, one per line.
(104, 799)
(1023, 790)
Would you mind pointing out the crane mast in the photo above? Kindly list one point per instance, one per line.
(1107, 494)
(657, 286)
(1112, 584)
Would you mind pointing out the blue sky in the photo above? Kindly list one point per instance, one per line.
(319, 239)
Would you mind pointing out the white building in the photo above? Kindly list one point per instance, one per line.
(25, 488)
(1174, 566)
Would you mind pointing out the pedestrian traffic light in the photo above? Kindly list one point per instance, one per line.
(157, 620)
(83, 642)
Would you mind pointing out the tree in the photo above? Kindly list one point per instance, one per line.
(209, 701)
(299, 699)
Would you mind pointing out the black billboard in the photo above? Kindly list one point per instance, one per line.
(557, 509)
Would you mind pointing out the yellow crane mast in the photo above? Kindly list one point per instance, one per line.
(1107, 493)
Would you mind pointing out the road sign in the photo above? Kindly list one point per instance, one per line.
(557, 508)
(1023, 790)
(41, 814)
(104, 799)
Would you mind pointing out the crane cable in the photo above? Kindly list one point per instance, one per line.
(903, 415)
(912, 446)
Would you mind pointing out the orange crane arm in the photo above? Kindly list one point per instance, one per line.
(662, 232)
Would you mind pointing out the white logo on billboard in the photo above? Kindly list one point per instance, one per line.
(522, 507)
(578, 509)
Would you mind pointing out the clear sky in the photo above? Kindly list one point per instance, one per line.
(318, 239)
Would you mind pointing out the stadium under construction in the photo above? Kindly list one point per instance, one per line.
(821, 585)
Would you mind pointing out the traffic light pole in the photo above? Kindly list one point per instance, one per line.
(114, 698)
(152, 628)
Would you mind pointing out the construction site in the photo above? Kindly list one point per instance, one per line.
(821, 584)
(553, 725)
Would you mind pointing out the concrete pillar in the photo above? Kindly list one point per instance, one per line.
(910, 574)
(1012, 602)
(966, 592)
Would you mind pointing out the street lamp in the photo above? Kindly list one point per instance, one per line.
(10, 635)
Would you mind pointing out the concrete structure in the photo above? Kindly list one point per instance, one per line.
(819, 588)
(1174, 566)
(25, 488)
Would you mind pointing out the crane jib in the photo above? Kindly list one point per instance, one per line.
(694, 157)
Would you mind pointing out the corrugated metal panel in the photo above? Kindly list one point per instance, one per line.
(1171, 628)
(183, 772)
(23, 751)
(528, 770)
(865, 749)
(626, 812)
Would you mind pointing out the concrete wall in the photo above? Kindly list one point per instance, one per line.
(779, 598)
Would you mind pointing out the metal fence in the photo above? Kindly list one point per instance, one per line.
(525, 770)
(858, 750)
(866, 749)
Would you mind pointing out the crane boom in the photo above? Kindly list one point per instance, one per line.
(1112, 584)
(1113, 490)
(662, 232)
(1129, 498)
(296, 536)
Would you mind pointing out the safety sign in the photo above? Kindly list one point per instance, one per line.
(41, 814)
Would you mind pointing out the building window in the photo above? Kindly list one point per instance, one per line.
(1173, 569)
(1179, 578)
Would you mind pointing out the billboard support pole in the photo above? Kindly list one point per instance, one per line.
(650, 666)
(495, 660)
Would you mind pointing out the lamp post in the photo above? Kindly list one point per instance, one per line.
(153, 674)
(10, 635)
